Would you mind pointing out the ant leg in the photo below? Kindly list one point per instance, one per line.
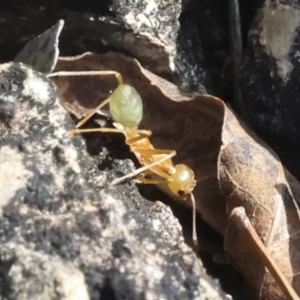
(151, 181)
(143, 180)
(73, 132)
(92, 112)
(165, 168)
(145, 168)
(151, 152)
(239, 217)
(88, 73)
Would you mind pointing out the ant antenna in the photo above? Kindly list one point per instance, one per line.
(195, 240)
(204, 178)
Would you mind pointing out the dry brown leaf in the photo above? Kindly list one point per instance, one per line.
(223, 153)
(252, 176)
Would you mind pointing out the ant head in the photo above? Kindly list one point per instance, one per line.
(183, 181)
(182, 185)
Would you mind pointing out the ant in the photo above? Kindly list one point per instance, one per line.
(126, 108)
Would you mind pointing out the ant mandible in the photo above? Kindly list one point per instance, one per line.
(126, 108)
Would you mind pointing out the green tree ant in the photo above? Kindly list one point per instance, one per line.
(126, 108)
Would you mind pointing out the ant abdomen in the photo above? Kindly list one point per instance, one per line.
(126, 106)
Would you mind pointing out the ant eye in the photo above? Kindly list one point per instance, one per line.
(181, 193)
